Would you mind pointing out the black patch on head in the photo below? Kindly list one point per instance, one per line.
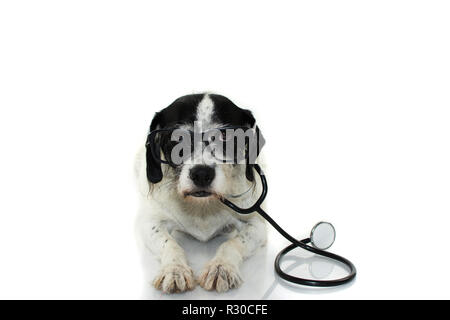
(225, 111)
(181, 111)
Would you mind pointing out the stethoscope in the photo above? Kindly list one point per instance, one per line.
(321, 238)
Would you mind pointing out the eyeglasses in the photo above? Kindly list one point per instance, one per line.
(228, 144)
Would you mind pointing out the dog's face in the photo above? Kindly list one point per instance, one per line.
(197, 179)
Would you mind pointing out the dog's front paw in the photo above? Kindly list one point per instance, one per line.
(175, 278)
(221, 276)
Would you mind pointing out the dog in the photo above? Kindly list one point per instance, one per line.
(185, 198)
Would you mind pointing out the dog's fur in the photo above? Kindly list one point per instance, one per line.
(165, 206)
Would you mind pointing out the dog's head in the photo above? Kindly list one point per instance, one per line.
(194, 177)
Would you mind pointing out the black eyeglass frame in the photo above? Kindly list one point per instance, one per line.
(155, 147)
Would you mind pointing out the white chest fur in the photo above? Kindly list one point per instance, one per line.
(205, 226)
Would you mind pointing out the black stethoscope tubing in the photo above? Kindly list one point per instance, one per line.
(295, 243)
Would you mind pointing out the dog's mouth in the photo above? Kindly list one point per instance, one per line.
(198, 194)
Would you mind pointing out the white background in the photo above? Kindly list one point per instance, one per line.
(352, 96)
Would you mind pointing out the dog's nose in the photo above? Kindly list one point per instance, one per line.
(202, 175)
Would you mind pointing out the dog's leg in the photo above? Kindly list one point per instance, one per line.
(175, 274)
(222, 272)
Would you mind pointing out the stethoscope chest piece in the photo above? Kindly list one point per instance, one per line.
(323, 235)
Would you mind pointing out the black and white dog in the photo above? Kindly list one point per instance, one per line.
(184, 198)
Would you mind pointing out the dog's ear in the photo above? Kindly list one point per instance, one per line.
(250, 120)
(154, 172)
